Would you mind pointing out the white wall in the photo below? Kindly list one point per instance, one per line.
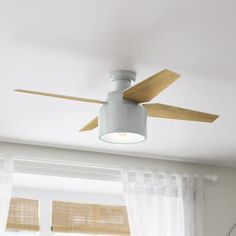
(220, 208)
(220, 202)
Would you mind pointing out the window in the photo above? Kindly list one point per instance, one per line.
(71, 234)
(21, 233)
(91, 219)
(68, 219)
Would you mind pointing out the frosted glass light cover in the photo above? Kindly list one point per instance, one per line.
(122, 138)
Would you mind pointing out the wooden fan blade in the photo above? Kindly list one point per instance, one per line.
(60, 96)
(171, 112)
(91, 125)
(151, 87)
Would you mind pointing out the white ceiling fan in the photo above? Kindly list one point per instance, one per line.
(123, 116)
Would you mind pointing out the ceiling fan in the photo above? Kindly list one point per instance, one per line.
(123, 116)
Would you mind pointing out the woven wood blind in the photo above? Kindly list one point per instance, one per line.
(23, 215)
(89, 218)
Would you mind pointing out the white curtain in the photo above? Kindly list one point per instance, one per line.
(6, 179)
(162, 204)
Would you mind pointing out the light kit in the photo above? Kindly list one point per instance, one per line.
(120, 120)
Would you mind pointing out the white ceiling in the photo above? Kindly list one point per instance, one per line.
(69, 47)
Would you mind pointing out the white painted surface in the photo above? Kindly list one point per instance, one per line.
(69, 47)
(220, 209)
(58, 183)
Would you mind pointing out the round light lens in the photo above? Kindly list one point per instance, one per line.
(122, 137)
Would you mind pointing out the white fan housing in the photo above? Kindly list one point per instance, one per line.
(120, 120)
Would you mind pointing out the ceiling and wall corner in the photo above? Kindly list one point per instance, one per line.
(69, 47)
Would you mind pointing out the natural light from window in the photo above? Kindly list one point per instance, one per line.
(71, 234)
(21, 234)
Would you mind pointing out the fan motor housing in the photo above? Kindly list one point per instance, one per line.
(122, 121)
(122, 118)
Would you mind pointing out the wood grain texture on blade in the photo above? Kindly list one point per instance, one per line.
(151, 87)
(178, 113)
(60, 96)
(91, 125)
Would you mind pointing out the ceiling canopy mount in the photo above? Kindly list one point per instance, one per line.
(122, 79)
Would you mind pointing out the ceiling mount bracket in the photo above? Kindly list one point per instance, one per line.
(122, 79)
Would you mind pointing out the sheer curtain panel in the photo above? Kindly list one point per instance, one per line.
(163, 204)
(6, 179)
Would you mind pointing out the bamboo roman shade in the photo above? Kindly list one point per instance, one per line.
(23, 215)
(89, 218)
